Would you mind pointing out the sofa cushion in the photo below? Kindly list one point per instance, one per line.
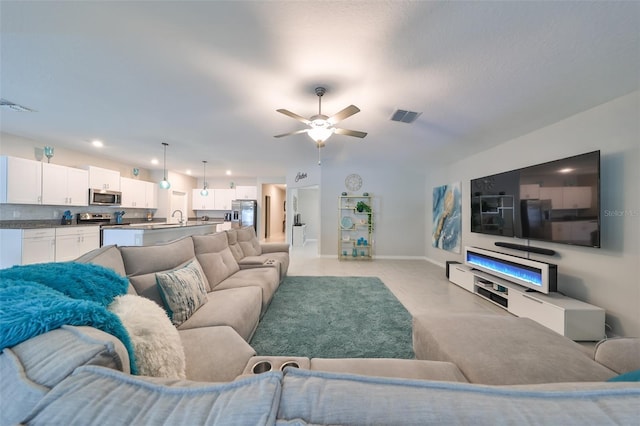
(182, 291)
(107, 256)
(315, 397)
(31, 368)
(215, 354)
(98, 396)
(390, 367)
(239, 308)
(234, 246)
(620, 354)
(142, 263)
(267, 279)
(477, 344)
(156, 342)
(248, 241)
(216, 258)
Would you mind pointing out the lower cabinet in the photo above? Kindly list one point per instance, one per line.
(72, 243)
(28, 246)
(566, 316)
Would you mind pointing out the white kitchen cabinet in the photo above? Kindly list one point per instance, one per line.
(20, 181)
(100, 178)
(222, 198)
(26, 246)
(151, 195)
(64, 186)
(74, 241)
(246, 193)
(202, 202)
(138, 194)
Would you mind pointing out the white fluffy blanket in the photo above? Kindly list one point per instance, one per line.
(156, 342)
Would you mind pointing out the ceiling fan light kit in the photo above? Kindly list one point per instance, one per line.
(321, 127)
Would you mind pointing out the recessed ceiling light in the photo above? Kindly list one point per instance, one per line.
(154, 161)
(228, 172)
(188, 172)
(97, 143)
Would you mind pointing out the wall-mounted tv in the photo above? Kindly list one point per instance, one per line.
(558, 201)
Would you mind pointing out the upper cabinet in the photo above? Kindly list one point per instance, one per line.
(202, 202)
(64, 186)
(246, 192)
(100, 178)
(20, 181)
(223, 198)
(138, 193)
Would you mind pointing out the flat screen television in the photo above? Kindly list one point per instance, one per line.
(558, 201)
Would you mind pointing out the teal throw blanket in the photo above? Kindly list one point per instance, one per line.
(38, 298)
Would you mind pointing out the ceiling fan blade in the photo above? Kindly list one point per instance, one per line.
(345, 113)
(297, 132)
(346, 132)
(294, 115)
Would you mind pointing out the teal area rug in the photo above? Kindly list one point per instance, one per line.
(334, 317)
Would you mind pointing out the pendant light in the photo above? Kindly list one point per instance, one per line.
(164, 183)
(204, 191)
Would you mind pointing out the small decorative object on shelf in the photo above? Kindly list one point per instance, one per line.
(355, 227)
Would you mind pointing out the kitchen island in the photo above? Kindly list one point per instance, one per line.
(146, 234)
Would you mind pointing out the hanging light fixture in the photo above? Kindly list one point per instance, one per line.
(164, 183)
(204, 191)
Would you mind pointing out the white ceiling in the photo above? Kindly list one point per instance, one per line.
(207, 76)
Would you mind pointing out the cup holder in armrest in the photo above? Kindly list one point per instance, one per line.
(261, 367)
(263, 364)
(291, 364)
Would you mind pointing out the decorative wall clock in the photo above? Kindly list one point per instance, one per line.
(353, 182)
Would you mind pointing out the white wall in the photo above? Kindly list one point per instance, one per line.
(309, 209)
(608, 277)
(399, 208)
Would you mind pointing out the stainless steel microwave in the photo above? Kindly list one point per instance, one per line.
(102, 197)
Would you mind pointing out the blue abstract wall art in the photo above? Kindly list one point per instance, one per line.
(447, 217)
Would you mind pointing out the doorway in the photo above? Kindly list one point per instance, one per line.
(267, 216)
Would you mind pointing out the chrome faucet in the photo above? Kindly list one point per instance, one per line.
(181, 221)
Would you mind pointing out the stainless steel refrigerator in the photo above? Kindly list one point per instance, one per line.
(244, 213)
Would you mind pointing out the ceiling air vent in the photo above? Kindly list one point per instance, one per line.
(5, 104)
(405, 116)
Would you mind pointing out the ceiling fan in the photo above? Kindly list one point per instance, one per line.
(321, 127)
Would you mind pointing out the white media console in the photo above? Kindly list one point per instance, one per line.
(569, 317)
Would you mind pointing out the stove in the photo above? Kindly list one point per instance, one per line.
(94, 218)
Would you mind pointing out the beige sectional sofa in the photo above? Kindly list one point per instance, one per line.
(215, 336)
(80, 374)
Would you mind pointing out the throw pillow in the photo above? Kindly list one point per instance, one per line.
(249, 241)
(630, 376)
(156, 342)
(182, 291)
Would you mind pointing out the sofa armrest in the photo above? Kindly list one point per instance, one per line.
(619, 354)
(274, 247)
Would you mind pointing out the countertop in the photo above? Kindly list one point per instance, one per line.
(145, 226)
(39, 224)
